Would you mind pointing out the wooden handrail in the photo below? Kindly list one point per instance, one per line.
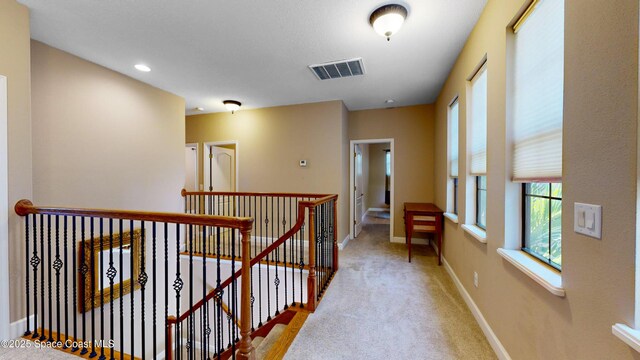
(298, 225)
(248, 193)
(26, 207)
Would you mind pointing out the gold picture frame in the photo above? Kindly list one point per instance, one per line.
(102, 243)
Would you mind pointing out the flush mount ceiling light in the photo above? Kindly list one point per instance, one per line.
(232, 105)
(143, 67)
(199, 108)
(387, 20)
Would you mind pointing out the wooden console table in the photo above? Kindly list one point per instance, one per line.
(423, 218)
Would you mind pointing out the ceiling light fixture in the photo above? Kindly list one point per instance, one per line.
(232, 105)
(389, 101)
(387, 20)
(143, 67)
(199, 108)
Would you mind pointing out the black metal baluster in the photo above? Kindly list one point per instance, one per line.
(190, 334)
(57, 265)
(101, 260)
(27, 271)
(229, 312)
(133, 282)
(154, 289)
(50, 282)
(292, 250)
(218, 297)
(84, 269)
(121, 271)
(301, 262)
(268, 258)
(276, 281)
(168, 347)
(73, 282)
(260, 267)
(204, 323)
(35, 260)
(66, 281)
(234, 290)
(177, 286)
(142, 280)
(111, 274)
(93, 290)
(284, 252)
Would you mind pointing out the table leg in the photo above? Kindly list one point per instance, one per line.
(409, 231)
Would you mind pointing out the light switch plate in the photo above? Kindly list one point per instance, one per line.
(587, 220)
(303, 163)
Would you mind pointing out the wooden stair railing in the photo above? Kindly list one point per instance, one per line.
(111, 313)
(319, 216)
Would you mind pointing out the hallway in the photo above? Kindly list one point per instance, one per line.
(379, 306)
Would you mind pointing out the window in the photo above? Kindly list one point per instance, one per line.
(542, 222)
(453, 156)
(478, 146)
(537, 104)
(481, 202)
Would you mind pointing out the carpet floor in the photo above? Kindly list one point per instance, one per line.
(379, 306)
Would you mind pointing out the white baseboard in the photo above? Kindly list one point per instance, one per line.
(495, 343)
(414, 240)
(17, 328)
(344, 243)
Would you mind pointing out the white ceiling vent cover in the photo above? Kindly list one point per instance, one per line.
(338, 69)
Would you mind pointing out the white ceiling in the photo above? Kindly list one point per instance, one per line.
(257, 51)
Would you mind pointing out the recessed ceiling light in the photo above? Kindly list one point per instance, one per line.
(143, 67)
(389, 101)
(199, 108)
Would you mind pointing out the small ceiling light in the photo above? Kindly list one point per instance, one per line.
(232, 105)
(390, 101)
(199, 109)
(143, 67)
(387, 20)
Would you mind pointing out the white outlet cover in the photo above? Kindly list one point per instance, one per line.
(587, 220)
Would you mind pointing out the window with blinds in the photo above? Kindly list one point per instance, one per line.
(538, 93)
(478, 122)
(453, 139)
(537, 102)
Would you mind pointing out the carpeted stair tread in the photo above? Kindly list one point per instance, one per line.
(256, 341)
(269, 341)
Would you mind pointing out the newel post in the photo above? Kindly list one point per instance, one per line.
(168, 338)
(311, 280)
(245, 348)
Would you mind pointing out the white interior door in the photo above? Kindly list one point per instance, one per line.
(358, 192)
(191, 167)
(221, 163)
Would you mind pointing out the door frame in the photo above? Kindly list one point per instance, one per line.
(205, 163)
(197, 146)
(352, 202)
(5, 321)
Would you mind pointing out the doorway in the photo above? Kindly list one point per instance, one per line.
(372, 184)
(191, 167)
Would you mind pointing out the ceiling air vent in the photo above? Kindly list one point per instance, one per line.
(338, 69)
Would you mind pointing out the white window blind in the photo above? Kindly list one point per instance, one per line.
(537, 94)
(478, 122)
(453, 139)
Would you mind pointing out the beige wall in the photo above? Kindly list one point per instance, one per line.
(102, 139)
(599, 155)
(376, 176)
(271, 141)
(14, 64)
(412, 129)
